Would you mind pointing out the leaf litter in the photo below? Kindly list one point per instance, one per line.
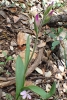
(15, 20)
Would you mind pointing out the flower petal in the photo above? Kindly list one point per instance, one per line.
(37, 17)
(24, 96)
(28, 96)
(37, 20)
(51, 12)
(23, 93)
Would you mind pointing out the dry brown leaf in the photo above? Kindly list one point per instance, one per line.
(47, 27)
(13, 9)
(21, 1)
(23, 16)
(55, 69)
(27, 83)
(8, 25)
(21, 38)
(34, 55)
(8, 20)
(33, 11)
(1, 51)
(48, 52)
(22, 54)
(39, 34)
(1, 30)
(42, 44)
(43, 70)
(0, 93)
(3, 14)
(16, 19)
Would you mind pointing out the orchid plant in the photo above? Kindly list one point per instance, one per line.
(21, 67)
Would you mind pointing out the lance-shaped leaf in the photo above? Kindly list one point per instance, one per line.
(35, 28)
(46, 20)
(27, 53)
(48, 9)
(20, 76)
(41, 92)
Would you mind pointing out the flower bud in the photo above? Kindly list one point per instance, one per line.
(37, 20)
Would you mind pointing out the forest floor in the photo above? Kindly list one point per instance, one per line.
(17, 18)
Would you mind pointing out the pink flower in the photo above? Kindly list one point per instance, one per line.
(25, 95)
(51, 12)
(37, 20)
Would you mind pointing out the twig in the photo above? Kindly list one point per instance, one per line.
(6, 79)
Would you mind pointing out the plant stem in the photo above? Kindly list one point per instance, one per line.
(34, 47)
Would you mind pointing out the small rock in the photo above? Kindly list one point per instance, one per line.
(65, 87)
(59, 76)
(38, 81)
(13, 43)
(48, 74)
(48, 87)
(11, 48)
(61, 68)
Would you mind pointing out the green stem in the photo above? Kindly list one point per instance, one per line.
(34, 47)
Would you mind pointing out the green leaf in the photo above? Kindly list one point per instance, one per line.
(52, 90)
(9, 97)
(9, 58)
(37, 90)
(59, 30)
(55, 43)
(27, 53)
(35, 27)
(5, 54)
(53, 30)
(47, 10)
(52, 35)
(41, 92)
(2, 63)
(20, 76)
(58, 4)
(46, 20)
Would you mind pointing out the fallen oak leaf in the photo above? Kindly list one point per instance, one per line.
(42, 44)
(16, 19)
(12, 9)
(21, 38)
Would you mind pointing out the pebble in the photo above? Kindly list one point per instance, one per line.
(48, 74)
(11, 48)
